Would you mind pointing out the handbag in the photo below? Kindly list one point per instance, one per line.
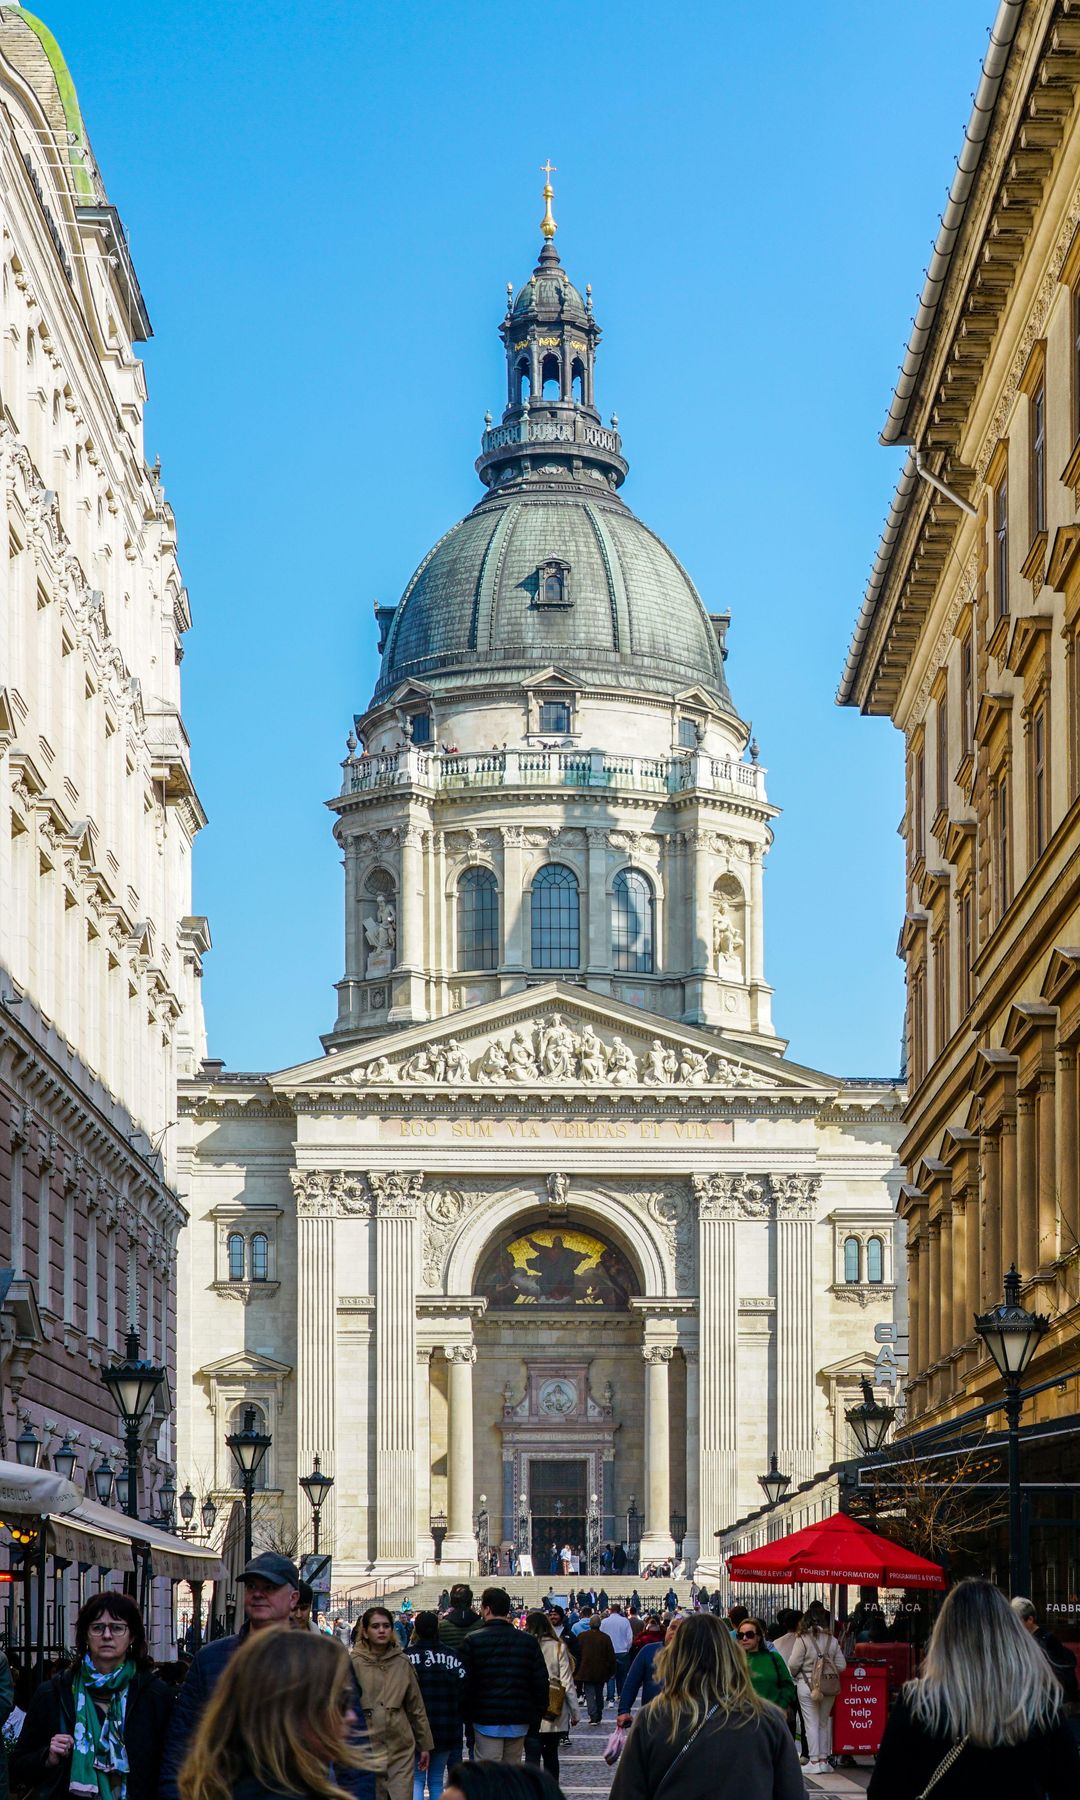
(950, 1757)
(614, 1747)
(556, 1700)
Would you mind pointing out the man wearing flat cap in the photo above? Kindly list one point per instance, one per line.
(271, 1591)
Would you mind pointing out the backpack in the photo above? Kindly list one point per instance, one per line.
(824, 1677)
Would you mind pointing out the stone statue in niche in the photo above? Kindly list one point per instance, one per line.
(381, 935)
(727, 938)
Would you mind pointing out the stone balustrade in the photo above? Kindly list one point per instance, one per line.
(457, 771)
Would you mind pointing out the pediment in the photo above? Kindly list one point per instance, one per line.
(244, 1365)
(551, 677)
(552, 1038)
(697, 696)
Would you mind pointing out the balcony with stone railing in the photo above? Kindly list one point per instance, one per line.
(571, 431)
(455, 772)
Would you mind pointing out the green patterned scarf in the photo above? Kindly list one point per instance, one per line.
(99, 1761)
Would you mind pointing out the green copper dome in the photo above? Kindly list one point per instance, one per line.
(629, 616)
(551, 293)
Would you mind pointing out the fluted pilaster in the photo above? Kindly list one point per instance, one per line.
(395, 1203)
(795, 1366)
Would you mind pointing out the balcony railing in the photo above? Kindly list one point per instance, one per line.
(456, 772)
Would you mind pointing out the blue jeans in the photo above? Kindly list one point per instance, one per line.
(622, 1670)
(435, 1779)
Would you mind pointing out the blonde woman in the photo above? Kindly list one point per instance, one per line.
(707, 1734)
(984, 1718)
(276, 1723)
(816, 1661)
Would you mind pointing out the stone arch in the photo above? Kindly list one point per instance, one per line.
(632, 1232)
(729, 927)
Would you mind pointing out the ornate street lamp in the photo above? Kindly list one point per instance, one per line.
(870, 1420)
(65, 1458)
(634, 1522)
(437, 1526)
(483, 1543)
(167, 1499)
(249, 1448)
(678, 1532)
(208, 1513)
(1011, 1334)
(187, 1508)
(132, 1385)
(27, 1445)
(316, 1486)
(125, 1488)
(103, 1478)
(774, 1484)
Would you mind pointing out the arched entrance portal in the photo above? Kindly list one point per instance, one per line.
(560, 1386)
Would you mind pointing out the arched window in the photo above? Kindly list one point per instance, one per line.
(851, 1259)
(556, 919)
(550, 384)
(632, 906)
(875, 1259)
(236, 1423)
(577, 380)
(478, 920)
(236, 1256)
(524, 383)
(554, 587)
(260, 1257)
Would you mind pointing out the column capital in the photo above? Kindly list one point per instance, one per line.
(657, 1353)
(396, 1195)
(461, 1353)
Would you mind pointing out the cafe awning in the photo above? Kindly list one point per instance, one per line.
(81, 1530)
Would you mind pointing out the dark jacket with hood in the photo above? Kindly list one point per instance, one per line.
(507, 1676)
(440, 1676)
(52, 1709)
(455, 1626)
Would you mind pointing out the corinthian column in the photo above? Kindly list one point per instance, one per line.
(796, 1202)
(396, 1198)
(692, 1540)
(718, 1424)
(459, 1545)
(656, 1539)
(316, 1301)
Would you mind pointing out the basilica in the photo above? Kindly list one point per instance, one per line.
(553, 1243)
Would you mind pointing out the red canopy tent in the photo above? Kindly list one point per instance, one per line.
(839, 1550)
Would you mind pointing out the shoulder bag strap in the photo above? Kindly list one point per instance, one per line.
(950, 1757)
(670, 1770)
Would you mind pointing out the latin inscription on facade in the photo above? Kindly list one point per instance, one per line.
(558, 1131)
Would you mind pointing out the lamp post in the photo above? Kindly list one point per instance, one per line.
(132, 1385)
(437, 1526)
(249, 1448)
(27, 1445)
(870, 1420)
(773, 1484)
(1011, 1334)
(634, 1522)
(65, 1458)
(482, 1536)
(167, 1500)
(208, 1513)
(103, 1478)
(678, 1532)
(187, 1509)
(316, 1486)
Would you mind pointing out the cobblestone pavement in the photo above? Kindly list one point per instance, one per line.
(584, 1774)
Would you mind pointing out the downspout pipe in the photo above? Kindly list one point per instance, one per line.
(1002, 33)
(935, 481)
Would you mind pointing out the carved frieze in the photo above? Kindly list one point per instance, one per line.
(743, 1196)
(397, 1194)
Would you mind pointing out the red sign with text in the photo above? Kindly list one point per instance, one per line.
(862, 1706)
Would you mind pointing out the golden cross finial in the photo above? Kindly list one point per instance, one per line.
(547, 223)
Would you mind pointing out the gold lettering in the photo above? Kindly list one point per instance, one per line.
(471, 1128)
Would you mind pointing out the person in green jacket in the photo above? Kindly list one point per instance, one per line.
(769, 1673)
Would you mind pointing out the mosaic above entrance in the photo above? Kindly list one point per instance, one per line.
(560, 1268)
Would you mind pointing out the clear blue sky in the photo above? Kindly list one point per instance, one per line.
(324, 204)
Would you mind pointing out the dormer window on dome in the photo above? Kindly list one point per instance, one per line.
(553, 583)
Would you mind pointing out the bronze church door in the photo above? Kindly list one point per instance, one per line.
(559, 1513)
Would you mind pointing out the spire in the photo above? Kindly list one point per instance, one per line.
(547, 223)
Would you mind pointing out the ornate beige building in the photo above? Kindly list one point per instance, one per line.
(99, 953)
(554, 1217)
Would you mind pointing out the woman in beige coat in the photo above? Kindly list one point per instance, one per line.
(396, 1721)
(554, 1728)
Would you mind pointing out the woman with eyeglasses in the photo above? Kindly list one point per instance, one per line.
(97, 1730)
(397, 1723)
(769, 1673)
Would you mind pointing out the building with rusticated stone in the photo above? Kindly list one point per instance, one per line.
(553, 1242)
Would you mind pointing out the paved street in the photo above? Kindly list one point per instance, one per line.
(585, 1773)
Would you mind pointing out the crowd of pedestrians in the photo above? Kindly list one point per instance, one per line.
(474, 1703)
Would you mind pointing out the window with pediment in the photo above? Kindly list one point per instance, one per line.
(553, 583)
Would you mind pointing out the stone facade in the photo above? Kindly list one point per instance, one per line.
(554, 1217)
(99, 955)
(970, 641)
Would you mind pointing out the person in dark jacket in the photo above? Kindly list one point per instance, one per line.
(988, 1705)
(271, 1593)
(641, 1676)
(1061, 1660)
(98, 1728)
(595, 1666)
(440, 1676)
(7, 1707)
(277, 1724)
(456, 1624)
(506, 1691)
